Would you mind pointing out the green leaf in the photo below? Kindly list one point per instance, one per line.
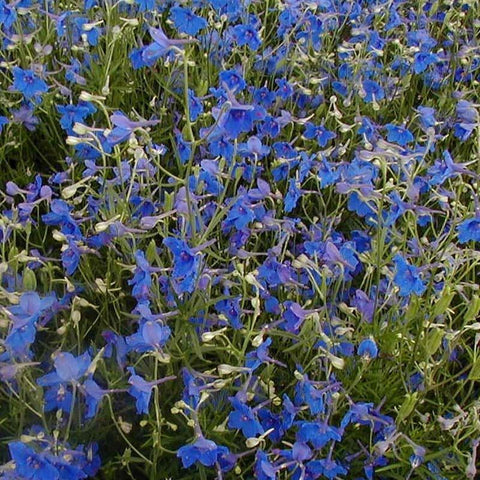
(407, 406)
(434, 340)
(475, 371)
(473, 309)
(29, 280)
(444, 302)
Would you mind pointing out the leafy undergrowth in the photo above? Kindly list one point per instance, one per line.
(238, 239)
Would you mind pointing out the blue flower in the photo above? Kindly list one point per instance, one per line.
(469, 230)
(203, 451)
(422, 60)
(293, 316)
(141, 390)
(319, 132)
(400, 135)
(264, 469)
(142, 278)
(186, 264)
(264, 97)
(30, 465)
(145, 5)
(407, 278)
(150, 336)
(71, 257)
(186, 21)
(72, 114)
(246, 35)
(255, 358)
(93, 396)
(151, 53)
(239, 216)
(194, 105)
(68, 369)
(230, 307)
(58, 397)
(293, 195)
(368, 349)
(285, 89)
(232, 80)
(237, 120)
(60, 215)
(3, 121)
(23, 330)
(332, 469)
(373, 91)
(244, 418)
(306, 393)
(318, 433)
(28, 83)
(427, 117)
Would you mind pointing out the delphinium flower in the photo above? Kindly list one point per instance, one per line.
(60, 214)
(145, 5)
(373, 91)
(141, 389)
(469, 230)
(264, 469)
(260, 355)
(468, 118)
(161, 46)
(124, 127)
(367, 349)
(72, 114)
(186, 264)
(203, 451)
(246, 35)
(399, 134)
(318, 433)
(24, 319)
(25, 116)
(28, 83)
(318, 132)
(142, 279)
(446, 168)
(186, 21)
(69, 370)
(39, 456)
(243, 417)
(151, 336)
(407, 277)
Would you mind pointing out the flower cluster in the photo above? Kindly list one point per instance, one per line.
(239, 239)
